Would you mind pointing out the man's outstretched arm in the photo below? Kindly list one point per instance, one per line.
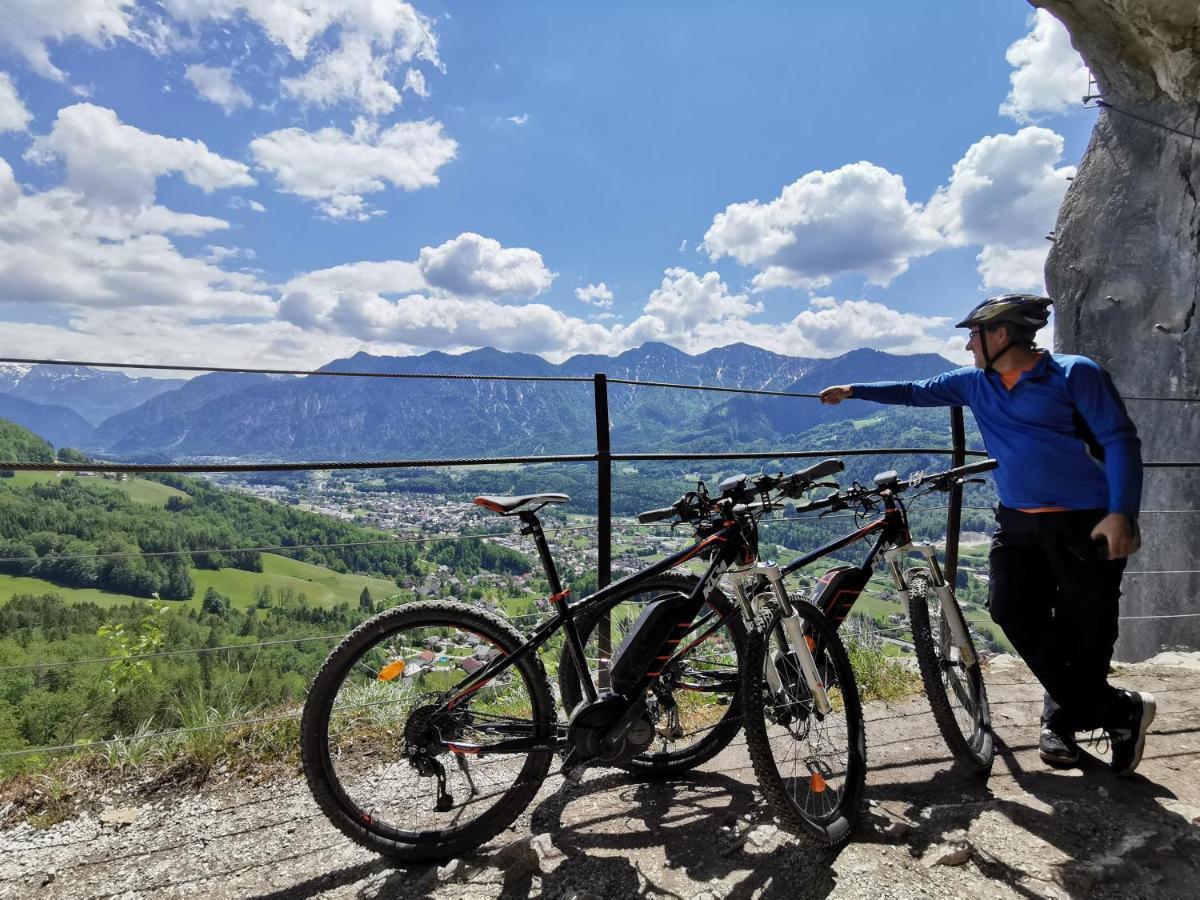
(947, 389)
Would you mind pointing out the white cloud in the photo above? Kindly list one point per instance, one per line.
(387, 277)
(28, 26)
(391, 302)
(596, 294)
(216, 85)
(1049, 76)
(519, 120)
(374, 40)
(684, 300)
(854, 219)
(155, 336)
(1013, 269)
(830, 327)
(683, 245)
(1004, 195)
(117, 163)
(471, 265)
(13, 114)
(351, 72)
(243, 203)
(336, 169)
(59, 247)
(414, 80)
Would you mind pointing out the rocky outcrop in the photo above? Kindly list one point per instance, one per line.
(1125, 274)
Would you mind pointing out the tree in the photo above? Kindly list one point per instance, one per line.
(215, 603)
(364, 601)
(71, 455)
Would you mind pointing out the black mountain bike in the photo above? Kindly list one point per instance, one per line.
(942, 642)
(432, 725)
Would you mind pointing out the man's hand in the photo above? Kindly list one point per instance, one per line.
(836, 394)
(1120, 533)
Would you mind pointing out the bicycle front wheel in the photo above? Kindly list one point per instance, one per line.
(955, 690)
(695, 706)
(397, 770)
(810, 766)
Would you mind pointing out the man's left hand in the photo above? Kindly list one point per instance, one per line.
(1120, 533)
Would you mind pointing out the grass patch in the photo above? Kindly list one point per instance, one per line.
(322, 586)
(860, 424)
(139, 490)
(881, 676)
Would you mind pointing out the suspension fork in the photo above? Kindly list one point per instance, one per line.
(951, 613)
(793, 632)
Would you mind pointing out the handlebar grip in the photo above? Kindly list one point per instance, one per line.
(976, 468)
(821, 469)
(657, 515)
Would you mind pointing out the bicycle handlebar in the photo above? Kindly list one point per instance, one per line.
(938, 481)
(657, 515)
(742, 489)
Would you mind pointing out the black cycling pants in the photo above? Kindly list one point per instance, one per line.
(1057, 603)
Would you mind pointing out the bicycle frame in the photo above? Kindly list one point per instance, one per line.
(894, 543)
(726, 545)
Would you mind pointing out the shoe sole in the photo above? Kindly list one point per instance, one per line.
(1149, 708)
(1059, 762)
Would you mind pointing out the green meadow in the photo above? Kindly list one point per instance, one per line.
(322, 586)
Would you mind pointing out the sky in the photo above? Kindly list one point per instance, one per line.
(286, 182)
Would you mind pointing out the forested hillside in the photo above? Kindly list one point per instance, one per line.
(17, 443)
(84, 532)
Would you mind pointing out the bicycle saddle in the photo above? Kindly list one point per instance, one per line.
(506, 505)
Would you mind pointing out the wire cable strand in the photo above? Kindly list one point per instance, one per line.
(1104, 104)
(237, 370)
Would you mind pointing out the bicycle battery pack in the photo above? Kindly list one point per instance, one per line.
(837, 590)
(664, 618)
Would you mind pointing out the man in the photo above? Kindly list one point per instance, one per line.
(1070, 482)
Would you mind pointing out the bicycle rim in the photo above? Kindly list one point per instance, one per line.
(375, 732)
(695, 709)
(811, 766)
(956, 691)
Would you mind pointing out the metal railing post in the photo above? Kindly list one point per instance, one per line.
(958, 440)
(603, 520)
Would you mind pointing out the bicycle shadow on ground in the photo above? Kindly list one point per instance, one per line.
(628, 835)
(1109, 831)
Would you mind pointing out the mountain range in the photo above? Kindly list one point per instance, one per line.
(322, 417)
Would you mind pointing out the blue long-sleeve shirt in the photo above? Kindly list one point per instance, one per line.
(1034, 434)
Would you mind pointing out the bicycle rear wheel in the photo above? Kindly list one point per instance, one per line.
(695, 707)
(376, 736)
(811, 767)
(956, 691)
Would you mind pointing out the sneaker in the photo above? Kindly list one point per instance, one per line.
(1129, 741)
(1057, 749)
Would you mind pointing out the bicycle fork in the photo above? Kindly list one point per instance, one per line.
(951, 614)
(793, 631)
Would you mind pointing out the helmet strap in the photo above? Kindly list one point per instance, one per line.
(988, 360)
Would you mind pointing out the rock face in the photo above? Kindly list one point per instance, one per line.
(1125, 274)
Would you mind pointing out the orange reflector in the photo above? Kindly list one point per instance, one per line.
(812, 644)
(816, 783)
(391, 670)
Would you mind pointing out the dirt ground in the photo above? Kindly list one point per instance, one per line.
(932, 830)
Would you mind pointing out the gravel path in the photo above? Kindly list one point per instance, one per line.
(932, 830)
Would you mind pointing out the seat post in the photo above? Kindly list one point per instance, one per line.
(531, 525)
